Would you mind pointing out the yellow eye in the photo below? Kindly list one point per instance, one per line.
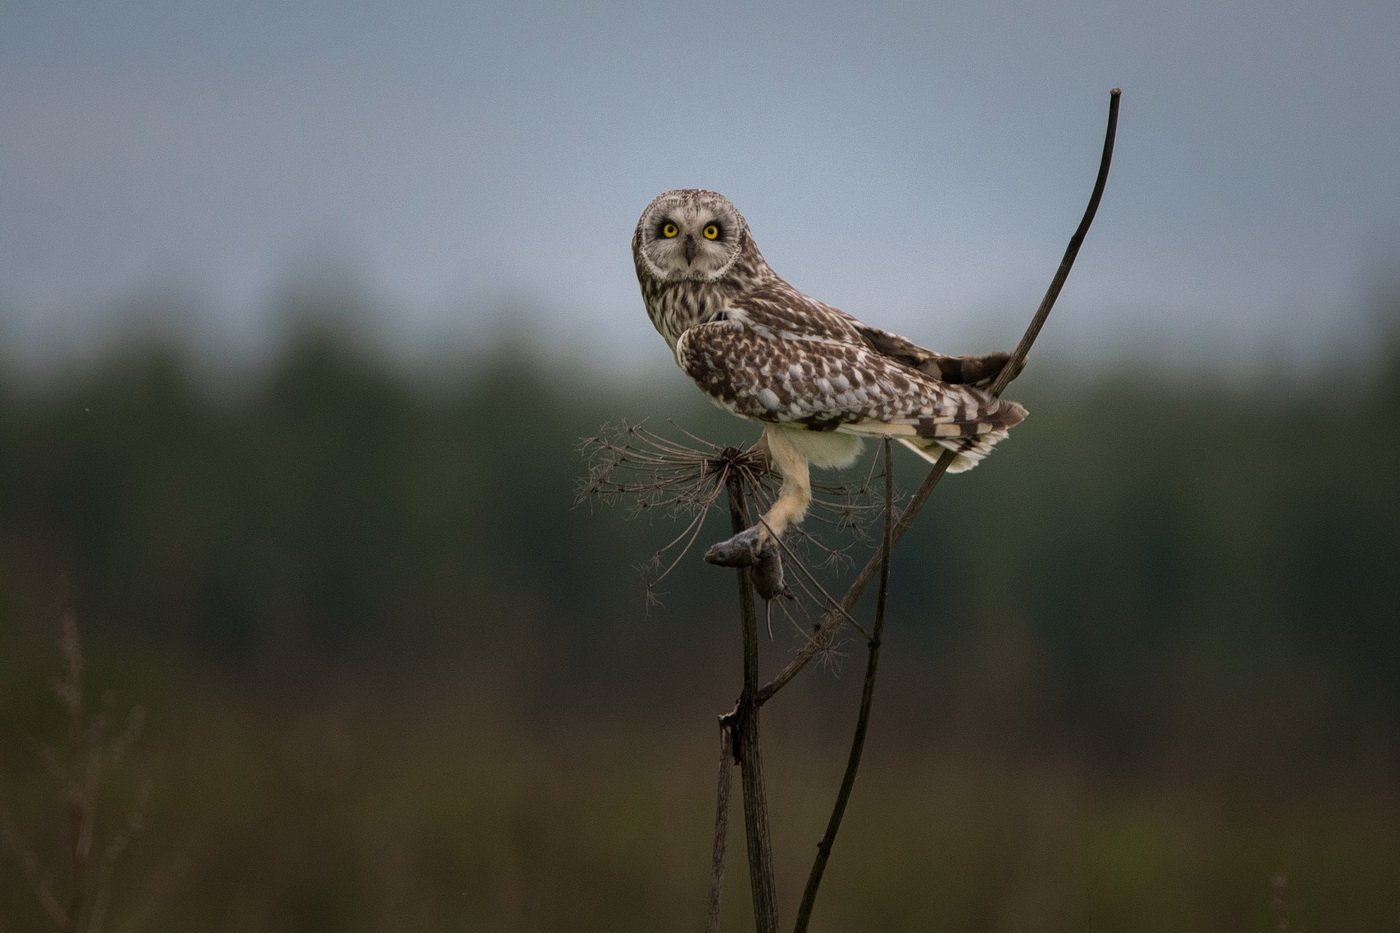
(669, 230)
(711, 232)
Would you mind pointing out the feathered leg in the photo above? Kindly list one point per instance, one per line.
(796, 492)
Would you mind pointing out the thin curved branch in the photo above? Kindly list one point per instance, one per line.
(835, 616)
(1018, 356)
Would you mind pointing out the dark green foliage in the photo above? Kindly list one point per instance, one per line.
(338, 508)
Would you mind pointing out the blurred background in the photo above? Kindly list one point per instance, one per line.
(305, 308)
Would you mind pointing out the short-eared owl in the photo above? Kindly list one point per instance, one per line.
(818, 379)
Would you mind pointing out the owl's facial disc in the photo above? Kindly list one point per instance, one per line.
(688, 239)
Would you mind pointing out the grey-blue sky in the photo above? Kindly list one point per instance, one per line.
(919, 166)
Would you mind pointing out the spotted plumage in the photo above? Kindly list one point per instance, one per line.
(818, 379)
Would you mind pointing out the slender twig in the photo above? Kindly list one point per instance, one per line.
(1008, 372)
(867, 695)
(835, 615)
(756, 833)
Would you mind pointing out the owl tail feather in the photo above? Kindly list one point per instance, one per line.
(970, 440)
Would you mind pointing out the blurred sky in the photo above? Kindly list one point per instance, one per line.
(920, 165)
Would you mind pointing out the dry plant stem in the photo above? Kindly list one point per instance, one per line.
(1071, 251)
(867, 694)
(745, 721)
(833, 618)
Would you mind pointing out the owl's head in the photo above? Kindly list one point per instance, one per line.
(690, 234)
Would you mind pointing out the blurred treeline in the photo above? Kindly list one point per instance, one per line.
(1144, 664)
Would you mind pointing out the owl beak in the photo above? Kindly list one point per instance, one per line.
(689, 249)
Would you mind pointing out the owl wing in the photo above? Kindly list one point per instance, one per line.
(822, 382)
(963, 370)
(778, 307)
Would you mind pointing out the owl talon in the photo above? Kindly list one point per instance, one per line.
(751, 548)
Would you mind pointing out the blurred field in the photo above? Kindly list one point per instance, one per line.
(1142, 669)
